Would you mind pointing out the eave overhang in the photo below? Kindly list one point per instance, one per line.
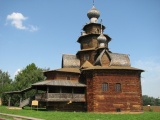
(90, 24)
(87, 35)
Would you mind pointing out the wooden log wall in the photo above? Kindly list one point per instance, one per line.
(129, 98)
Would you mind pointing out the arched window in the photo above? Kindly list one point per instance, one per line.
(118, 87)
(104, 87)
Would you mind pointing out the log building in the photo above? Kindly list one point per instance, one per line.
(93, 80)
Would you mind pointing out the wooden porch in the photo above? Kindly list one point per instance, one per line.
(60, 97)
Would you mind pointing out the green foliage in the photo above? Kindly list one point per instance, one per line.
(24, 79)
(28, 76)
(150, 101)
(5, 83)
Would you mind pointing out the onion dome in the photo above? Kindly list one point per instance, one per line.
(93, 15)
(102, 39)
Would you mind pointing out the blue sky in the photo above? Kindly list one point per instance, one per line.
(40, 31)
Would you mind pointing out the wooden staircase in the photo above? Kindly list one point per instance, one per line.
(25, 102)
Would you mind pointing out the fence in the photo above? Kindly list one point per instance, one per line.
(151, 108)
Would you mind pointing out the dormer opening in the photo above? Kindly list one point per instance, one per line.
(86, 57)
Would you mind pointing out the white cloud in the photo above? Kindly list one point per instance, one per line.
(17, 20)
(32, 28)
(151, 77)
(17, 71)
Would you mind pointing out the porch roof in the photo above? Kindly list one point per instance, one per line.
(19, 92)
(67, 83)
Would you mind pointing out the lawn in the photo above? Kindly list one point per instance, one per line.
(53, 115)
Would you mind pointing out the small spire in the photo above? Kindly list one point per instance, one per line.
(102, 39)
(93, 2)
(101, 26)
(93, 14)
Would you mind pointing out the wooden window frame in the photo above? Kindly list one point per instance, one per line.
(104, 87)
(118, 87)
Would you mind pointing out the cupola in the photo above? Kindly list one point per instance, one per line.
(102, 39)
(93, 15)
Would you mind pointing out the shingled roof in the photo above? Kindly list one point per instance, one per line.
(119, 59)
(68, 83)
(116, 59)
(72, 70)
(70, 61)
(20, 91)
(113, 68)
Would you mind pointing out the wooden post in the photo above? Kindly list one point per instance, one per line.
(36, 90)
(47, 91)
(9, 101)
(34, 103)
(21, 98)
(72, 93)
(72, 90)
(20, 101)
(0, 101)
(60, 90)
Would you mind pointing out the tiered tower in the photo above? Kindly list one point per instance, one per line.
(92, 38)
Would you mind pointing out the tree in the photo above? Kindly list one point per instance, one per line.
(5, 85)
(24, 79)
(147, 100)
(157, 102)
(28, 76)
(5, 82)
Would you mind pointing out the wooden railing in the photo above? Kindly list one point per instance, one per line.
(41, 96)
(60, 97)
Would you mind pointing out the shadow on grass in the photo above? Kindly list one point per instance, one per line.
(34, 108)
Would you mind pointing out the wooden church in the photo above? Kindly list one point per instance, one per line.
(93, 80)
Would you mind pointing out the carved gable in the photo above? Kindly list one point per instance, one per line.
(105, 61)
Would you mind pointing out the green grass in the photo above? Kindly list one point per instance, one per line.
(6, 118)
(53, 115)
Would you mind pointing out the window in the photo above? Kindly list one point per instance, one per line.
(105, 87)
(86, 44)
(118, 110)
(118, 87)
(97, 31)
(68, 78)
(86, 57)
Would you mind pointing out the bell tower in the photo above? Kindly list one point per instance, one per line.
(92, 38)
(112, 84)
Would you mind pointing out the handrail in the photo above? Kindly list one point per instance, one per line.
(60, 97)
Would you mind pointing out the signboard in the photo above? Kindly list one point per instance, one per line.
(34, 103)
